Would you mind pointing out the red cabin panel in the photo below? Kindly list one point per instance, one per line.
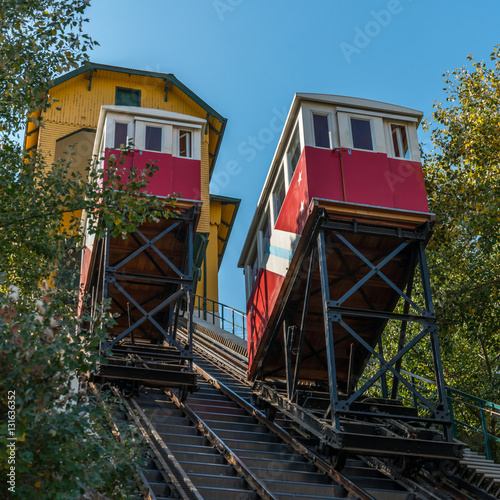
(360, 177)
(180, 176)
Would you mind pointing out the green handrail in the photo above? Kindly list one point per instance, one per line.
(217, 312)
(456, 397)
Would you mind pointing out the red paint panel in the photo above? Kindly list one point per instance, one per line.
(259, 307)
(408, 183)
(174, 175)
(186, 178)
(291, 219)
(324, 175)
(367, 178)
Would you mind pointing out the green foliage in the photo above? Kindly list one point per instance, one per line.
(38, 40)
(64, 448)
(462, 175)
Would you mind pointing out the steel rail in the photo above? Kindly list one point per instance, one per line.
(141, 480)
(177, 476)
(230, 365)
(394, 473)
(231, 457)
(311, 457)
(439, 490)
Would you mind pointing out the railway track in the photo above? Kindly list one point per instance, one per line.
(217, 445)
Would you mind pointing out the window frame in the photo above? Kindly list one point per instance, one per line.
(120, 122)
(295, 132)
(178, 131)
(279, 185)
(362, 119)
(129, 91)
(399, 140)
(328, 117)
(162, 137)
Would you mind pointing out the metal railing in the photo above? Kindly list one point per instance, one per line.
(470, 415)
(473, 418)
(225, 317)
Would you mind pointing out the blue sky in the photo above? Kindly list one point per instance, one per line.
(247, 58)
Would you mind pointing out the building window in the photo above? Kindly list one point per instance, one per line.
(121, 132)
(127, 97)
(279, 195)
(321, 131)
(266, 235)
(361, 134)
(294, 151)
(400, 141)
(185, 143)
(254, 269)
(153, 138)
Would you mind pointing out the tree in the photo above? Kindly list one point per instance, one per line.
(463, 182)
(62, 447)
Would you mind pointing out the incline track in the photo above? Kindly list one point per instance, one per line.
(216, 444)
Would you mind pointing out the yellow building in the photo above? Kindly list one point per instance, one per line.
(70, 127)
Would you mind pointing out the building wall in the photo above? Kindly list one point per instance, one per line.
(76, 107)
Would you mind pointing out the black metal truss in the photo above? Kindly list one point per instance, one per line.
(346, 404)
(134, 295)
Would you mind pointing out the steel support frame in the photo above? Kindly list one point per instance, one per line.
(335, 314)
(184, 281)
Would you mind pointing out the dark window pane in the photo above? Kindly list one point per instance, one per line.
(153, 138)
(361, 134)
(127, 97)
(266, 230)
(120, 134)
(294, 151)
(185, 143)
(279, 196)
(321, 133)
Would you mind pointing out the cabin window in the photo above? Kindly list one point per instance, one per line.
(254, 269)
(266, 235)
(121, 132)
(322, 136)
(127, 97)
(294, 151)
(400, 141)
(361, 134)
(185, 143)
(279, 195)
(153, 138)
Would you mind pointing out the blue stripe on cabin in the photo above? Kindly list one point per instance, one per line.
(284, 253)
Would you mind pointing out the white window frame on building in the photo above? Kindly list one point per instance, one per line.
(179, 132)
(295, 132)
(251, 269)
(372, 135)
(278, 190)
(328, 117)
(141, 126)
(399, 140)
(265, 223)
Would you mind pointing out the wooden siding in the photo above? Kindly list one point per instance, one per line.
(48, 136)
(204, 224)
(75, 105)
